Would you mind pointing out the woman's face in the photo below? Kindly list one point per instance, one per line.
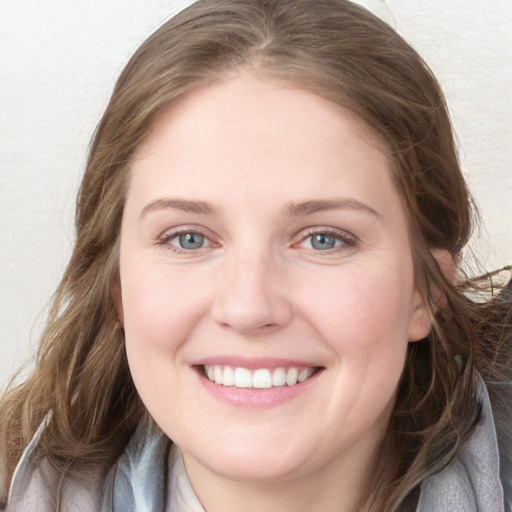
(267, 289)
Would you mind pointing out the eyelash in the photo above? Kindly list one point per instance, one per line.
(347, 240)
(167, 237)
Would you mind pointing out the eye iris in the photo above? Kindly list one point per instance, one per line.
(191, 241)
(323, 241)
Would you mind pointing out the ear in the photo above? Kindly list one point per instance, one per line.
(118, 300)
(420, 322)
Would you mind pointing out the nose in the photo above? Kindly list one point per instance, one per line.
(251, 296)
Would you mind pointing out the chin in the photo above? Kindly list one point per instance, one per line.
(255, 464)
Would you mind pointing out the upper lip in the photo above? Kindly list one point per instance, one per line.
(253, 363)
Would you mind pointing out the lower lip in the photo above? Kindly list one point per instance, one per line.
(251, 397)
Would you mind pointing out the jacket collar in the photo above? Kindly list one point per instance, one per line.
(472, 480)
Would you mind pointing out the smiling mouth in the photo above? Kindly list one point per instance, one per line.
(262, 378)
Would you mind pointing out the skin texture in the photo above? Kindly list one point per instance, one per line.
(258, 291)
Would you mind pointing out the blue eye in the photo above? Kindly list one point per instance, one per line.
(190, 241)
(186, 241)
(322, 241)
(327, 240)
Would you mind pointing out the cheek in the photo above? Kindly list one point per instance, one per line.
(161, 306)
(363, 307)
(363, 318)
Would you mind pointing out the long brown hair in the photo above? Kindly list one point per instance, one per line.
(337, 50)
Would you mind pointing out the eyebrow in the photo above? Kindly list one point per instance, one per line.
(200, 207)
(319, 205)
(292, 209)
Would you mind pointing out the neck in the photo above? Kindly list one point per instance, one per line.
(331, 489)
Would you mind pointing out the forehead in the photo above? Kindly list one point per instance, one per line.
(230, 97)
(258, 136)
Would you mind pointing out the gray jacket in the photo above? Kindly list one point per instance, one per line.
(139, 483)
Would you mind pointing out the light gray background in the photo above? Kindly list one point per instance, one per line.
(59, 60)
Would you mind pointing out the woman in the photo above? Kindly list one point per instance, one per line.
(265, 273)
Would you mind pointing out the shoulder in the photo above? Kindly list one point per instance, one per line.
(136, 482)
(36, 483)
(501, 401)
(35, 490)
(474, 478)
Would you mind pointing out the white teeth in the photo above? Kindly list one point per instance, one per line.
(291, 376)
(243, 378)
(304, 374)
(228, 376)
(217, 374)
(263, 378)
(278, 377)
